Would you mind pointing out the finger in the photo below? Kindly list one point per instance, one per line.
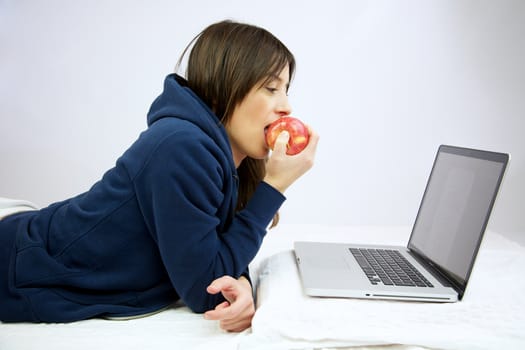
(219, 313)
(236, 325)
(240, 322)
(314, 138)
(221, 283)
(227, 310)
(281, 143)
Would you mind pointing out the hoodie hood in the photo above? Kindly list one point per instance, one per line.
(179, 101)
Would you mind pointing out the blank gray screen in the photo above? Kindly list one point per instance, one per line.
(454, 211)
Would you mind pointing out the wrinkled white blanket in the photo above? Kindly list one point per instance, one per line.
(176, 328)
(490, 316)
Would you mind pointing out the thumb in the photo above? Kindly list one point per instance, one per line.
(281, 143)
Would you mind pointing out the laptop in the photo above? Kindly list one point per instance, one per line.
(436, 264)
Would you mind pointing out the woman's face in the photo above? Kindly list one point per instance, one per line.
(261, 106)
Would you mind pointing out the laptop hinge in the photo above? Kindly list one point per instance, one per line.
(434, 270)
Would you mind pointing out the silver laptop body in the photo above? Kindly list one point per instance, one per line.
(446, 236)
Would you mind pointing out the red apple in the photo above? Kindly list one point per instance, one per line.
(299, 134)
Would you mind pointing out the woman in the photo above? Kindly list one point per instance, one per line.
(185, 208)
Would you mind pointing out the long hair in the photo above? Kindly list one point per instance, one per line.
(226, 61)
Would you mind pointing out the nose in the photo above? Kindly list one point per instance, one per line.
(284, 108)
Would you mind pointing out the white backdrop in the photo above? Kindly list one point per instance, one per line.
(384, 83)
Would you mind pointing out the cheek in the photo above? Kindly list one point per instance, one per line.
(257, 107)
(256, 114)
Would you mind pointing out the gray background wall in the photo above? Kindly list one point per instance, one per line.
(384, 83)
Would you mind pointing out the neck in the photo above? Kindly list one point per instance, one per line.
(237, 157)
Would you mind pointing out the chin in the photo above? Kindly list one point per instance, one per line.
(261, 155)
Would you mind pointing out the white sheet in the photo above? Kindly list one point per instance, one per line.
(286, 319)
(176, 328)
(491, 315)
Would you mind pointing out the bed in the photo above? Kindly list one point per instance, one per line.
(489, 317)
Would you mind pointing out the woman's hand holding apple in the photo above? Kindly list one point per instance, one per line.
(283, 169)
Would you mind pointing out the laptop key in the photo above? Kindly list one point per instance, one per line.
(388, 267)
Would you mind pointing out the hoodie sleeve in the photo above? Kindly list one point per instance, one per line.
(181, 191)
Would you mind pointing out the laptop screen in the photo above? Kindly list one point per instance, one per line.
(455, 210)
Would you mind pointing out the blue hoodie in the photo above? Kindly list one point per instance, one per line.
(158, 227)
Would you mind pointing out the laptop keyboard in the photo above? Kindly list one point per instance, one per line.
(389, 267)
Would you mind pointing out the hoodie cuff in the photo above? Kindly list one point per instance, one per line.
(265, 202)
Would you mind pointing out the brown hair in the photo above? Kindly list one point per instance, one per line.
(227, 60)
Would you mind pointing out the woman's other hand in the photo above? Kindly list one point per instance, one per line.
(236, 313)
